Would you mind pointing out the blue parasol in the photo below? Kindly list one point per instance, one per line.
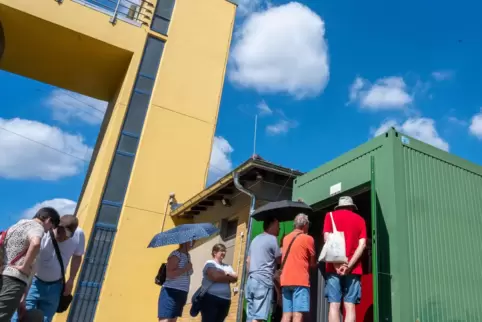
(183, 234)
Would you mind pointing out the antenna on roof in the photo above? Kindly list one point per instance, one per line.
(255, 131)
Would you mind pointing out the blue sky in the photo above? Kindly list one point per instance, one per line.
(323, 77)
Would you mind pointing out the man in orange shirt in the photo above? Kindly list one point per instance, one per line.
(298, 258)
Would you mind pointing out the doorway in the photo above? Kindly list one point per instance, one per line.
(319, 305)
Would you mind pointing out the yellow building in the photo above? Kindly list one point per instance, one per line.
(161, 67)
(226, 206)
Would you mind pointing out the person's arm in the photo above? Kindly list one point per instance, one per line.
(219, 276)
(74, 269)
(31, 255)
(173, 269)
(277, 251)
(27, 288)
(311, 252)
(362, 243)
(233, 274)
(358, 253)
(77, 257)
(29, 266)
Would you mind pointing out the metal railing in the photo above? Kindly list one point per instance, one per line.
(138, 12)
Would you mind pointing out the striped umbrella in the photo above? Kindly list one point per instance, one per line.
(183, 234)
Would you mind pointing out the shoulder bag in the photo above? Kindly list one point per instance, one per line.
(161, 275)
(334, 249)
(196, 300)
(3, 239)
(65, 300)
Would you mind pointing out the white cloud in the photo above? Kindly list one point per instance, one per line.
(63, 206)
(385, 94)
(281, 127)
(422, 129)
(385, 126)
(476, 125)
(68, 106)
(442, 75)
(220, 163)
(264, 109)
(281, 49)
(39, 151)
(246, 7)
(457, 121)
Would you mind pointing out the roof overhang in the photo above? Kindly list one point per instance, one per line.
(252, 170)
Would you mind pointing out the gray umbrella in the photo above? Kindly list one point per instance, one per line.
(284, 210)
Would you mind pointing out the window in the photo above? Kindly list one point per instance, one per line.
(128, 144)
(109, 214)
(118, 178)
(229, 229)
(137, 113)
(96, 260)
(152, 57)
(144, 84)
(94, 265)
(162, 16)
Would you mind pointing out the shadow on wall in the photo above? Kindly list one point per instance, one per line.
(2, 41)
(434, 311)
(384, 269)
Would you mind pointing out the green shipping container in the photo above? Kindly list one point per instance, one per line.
(423, 207)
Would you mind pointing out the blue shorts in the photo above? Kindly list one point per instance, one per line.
(259, 298)
(43, 296)
(296, 299)
(171, 303)
(347, 287)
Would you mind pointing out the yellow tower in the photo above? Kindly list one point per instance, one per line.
(161, 66)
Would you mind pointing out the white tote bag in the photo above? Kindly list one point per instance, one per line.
(334, 250)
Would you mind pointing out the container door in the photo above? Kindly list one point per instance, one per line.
(375, 268)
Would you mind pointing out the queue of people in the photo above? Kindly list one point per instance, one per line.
(275, 275)
(36, 253)
(217, 277)
(295, 262)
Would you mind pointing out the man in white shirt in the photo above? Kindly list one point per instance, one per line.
(47, 286)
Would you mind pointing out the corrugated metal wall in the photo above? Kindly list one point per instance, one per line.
(443, 207)
(429, 207)
(352, 170)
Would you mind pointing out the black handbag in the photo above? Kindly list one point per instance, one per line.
(161, 275)
(196, 300)
(65, 300)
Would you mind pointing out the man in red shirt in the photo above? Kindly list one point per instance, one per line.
(295, 276)
(343, 281)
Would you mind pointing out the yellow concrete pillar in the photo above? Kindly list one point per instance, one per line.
(172, 155)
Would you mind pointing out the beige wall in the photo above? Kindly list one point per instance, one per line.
(239, 209)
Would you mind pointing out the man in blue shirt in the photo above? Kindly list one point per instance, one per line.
(263, 257)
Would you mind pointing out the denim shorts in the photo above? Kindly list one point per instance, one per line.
(43, 296)
(296, 299)
(347, 287)
(259, 298)
(171, 303)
